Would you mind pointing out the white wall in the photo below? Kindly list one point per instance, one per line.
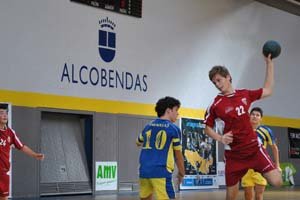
(175, 44)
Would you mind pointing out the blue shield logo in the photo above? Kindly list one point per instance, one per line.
(107, 40)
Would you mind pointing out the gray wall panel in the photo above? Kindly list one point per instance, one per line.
(127, 150)
(25, 171)
(104, 141)
(128, 129)
(105, 137)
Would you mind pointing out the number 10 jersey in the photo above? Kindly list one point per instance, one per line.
(159, 139)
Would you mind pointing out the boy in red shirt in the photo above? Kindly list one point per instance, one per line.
(230, 110)
(9, 138)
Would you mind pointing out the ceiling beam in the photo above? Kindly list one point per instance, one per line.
(291, 6)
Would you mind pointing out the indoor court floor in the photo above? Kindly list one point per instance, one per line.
(285, 193)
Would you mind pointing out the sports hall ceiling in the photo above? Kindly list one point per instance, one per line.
(291, 6)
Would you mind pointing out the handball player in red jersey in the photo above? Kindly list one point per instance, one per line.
(9, 138)
(229, 111)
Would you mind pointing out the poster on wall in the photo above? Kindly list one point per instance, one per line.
(106, 176)
(294, 142)
(200, 155)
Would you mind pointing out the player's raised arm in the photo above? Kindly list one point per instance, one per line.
(269, 78)
(271, 50)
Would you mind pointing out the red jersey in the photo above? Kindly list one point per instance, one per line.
(8, 138)
(233, 112)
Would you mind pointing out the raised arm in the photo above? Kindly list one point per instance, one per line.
(269, 78)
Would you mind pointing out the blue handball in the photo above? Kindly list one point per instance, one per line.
(271, 47)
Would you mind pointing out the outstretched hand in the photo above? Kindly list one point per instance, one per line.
(39, 156)
(27, 150)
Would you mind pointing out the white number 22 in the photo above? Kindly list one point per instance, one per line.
(240, 110)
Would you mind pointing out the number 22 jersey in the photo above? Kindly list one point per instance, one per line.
(233, 111)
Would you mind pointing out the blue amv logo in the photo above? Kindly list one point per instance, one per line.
(107, 40)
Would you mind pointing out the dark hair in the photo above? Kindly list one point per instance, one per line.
(164, 103)
(223, 71)
(257, 109)
(4, 106)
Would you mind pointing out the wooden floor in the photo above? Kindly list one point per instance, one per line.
(290, 193)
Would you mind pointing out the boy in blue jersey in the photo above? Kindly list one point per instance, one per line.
(161, 142)
(254, 180)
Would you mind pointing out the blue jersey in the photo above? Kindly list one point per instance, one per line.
(265, 136)
(159, 139)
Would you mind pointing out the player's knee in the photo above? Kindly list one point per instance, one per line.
(274, 178)
(277, 182)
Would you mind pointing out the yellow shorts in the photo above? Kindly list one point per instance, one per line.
(252, 178)
(162, 187)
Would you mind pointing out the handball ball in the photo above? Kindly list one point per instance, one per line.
(271, 47)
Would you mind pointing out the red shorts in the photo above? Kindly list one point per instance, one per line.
(235, 169)
(4, 184)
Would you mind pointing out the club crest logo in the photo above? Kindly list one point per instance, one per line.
(244, 100)
(107, 40)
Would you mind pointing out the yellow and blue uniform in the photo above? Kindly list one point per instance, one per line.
(159, 139)
(265, 138)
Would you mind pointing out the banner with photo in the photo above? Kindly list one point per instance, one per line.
(200, 153)
(294, 142)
